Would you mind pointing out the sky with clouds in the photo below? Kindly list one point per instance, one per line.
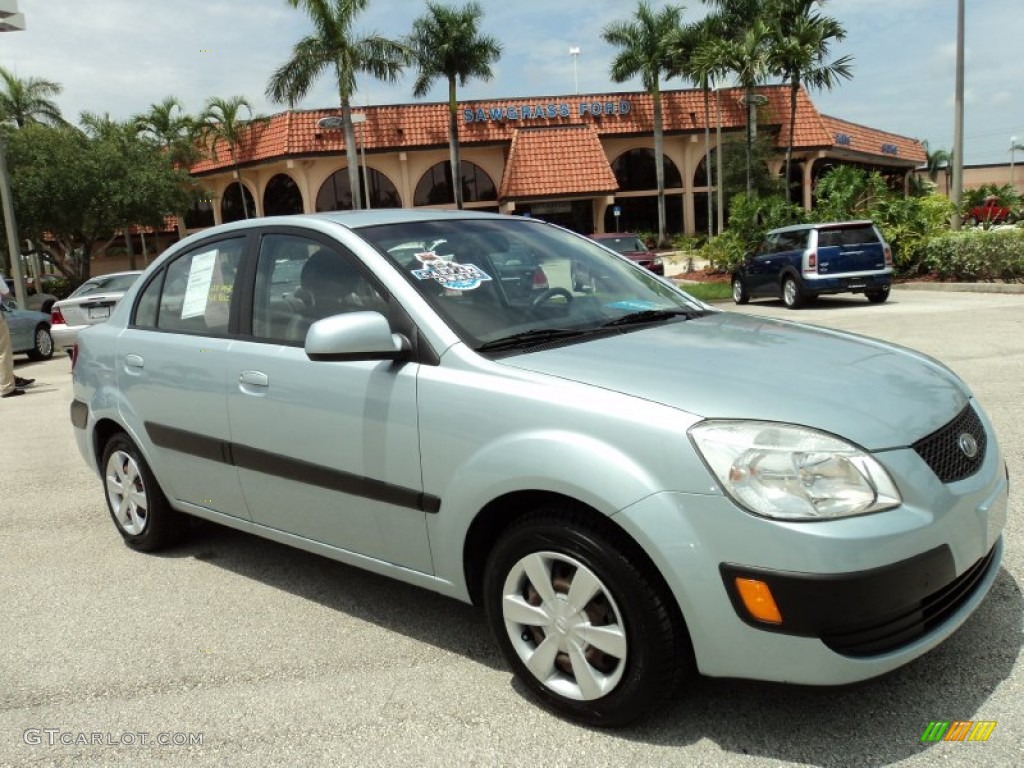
(120, 56)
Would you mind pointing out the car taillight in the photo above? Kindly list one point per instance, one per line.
(888, 255)
(540, 280)
(56, 317)
(74, 357)
(812, 260)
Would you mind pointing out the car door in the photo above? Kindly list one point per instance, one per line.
(328, 451)
(172, 360)
(762, 267)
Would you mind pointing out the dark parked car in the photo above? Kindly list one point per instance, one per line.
(801, 262)
(632, 247)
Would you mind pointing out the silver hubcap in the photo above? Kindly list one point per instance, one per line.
(127, 493)
(789, 292)
(737, 291)
(564, 625)
(44, 344)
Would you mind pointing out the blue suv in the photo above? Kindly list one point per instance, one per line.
(801, 262)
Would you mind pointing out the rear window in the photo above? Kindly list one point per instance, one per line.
(106, 284)
(854, 235)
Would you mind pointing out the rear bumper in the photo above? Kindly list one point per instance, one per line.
(847, 283)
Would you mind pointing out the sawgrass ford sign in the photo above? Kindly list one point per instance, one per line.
(545, 111)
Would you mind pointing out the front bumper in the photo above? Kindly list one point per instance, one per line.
(858, 596)
(867, 613)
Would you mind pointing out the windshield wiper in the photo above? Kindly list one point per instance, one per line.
(654, 315)
(530, 338)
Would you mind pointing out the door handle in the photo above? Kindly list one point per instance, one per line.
(253, 379)
(134, 361)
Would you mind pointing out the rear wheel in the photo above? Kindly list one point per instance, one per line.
(792, 294)
(581, 619)
(140, 511)
(42, 344)
(739, 291)
(879, 296)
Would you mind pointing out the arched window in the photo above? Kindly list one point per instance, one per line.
(634, 170)
(200, 215)
(282, 196)
(231, 208)
(435, 186)
(700, 175)
(336, 195)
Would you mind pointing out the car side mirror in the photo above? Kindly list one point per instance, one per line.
(355, 336)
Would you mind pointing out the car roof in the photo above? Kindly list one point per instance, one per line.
(611, 235)
(822, 225)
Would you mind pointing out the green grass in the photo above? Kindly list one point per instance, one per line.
(708, 291)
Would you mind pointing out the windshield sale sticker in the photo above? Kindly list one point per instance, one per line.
(458, 277)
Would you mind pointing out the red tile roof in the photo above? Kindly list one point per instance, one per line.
(860, 138)
(415, 126)
(556, 161)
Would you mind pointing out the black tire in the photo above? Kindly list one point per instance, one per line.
(47, 306)
(878, 297)
(638, 615)
(740, 295)
(137, 505)
(792, 294)
(42, 344)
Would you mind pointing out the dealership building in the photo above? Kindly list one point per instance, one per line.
(585, 161)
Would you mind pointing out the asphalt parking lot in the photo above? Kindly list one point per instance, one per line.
(235, 651)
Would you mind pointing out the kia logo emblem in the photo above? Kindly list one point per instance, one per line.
(968, 445)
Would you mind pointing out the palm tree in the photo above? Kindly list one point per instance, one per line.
(446, 43)
(28, 101)
(334, 46)
(646, 46)
(222, 120)
(749, 58)
(169, 127)
(938, 160)
(687, 64)
(800, 53)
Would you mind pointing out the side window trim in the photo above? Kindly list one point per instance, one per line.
(160, 276)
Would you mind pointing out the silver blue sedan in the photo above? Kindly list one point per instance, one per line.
(636, 487)
(30, 331)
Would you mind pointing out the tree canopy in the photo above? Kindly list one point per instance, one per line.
(74, 189)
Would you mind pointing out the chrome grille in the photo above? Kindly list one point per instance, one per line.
(942, 450)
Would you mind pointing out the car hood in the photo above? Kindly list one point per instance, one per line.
(735, 366)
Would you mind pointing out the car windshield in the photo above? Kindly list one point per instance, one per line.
(497, 280)
(624, 244)
(105, 284)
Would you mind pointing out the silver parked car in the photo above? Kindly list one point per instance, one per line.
(633, 485)
(90, 303)
(30, 330)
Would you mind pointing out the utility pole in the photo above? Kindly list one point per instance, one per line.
(958, 118)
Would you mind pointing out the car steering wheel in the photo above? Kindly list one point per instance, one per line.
(549, 294)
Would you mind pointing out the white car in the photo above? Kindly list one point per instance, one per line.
(90, 303)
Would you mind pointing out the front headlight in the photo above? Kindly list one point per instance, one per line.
(793, 473)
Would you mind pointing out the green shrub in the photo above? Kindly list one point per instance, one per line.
(725, 252)
(977, 254)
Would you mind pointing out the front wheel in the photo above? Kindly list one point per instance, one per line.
(879, 296)
(739, 291)
(140, 511)
(792, 293)
(581, 619)
(42, 344)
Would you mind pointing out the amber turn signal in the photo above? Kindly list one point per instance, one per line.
(758, 600)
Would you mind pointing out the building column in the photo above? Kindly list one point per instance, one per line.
(407, 191)
(807, 166)
(601, 205)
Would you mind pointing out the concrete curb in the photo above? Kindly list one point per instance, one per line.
(963, 287)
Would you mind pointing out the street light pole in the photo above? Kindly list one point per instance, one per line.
(12, 21)
(574, 51)
(958, 118)
(718, 159)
